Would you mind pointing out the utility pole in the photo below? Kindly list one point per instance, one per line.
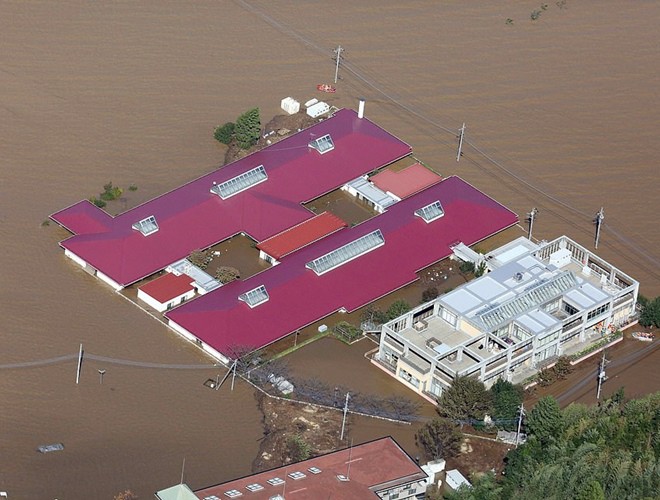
(80, 358)
(460, 142)
(601, 375)
(521, 414)
(530, 218)
(598, 221)
(338, 52)
(233, 377)
(343, 421)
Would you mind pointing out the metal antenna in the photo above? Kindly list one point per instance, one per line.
(337, 51)
(598, 221)
(183, 468)
(530, 218)
(460, 142)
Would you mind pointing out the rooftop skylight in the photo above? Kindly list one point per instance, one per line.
(534, 297)
(275, 481)
(146, 226)
(323, 144)
(431, 212)
(346, 253)
(255, 296)
(240, 183)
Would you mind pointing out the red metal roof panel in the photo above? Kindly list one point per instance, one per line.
(298, 297)
(168, 287)
(301, 235)
(405, 182)
(373, 466)
(191, 217)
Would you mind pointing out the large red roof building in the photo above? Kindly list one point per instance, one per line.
(292, 294)
(280, 178)
(377, 469)
(324, 267)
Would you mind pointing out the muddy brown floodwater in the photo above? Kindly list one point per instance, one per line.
(130, 92)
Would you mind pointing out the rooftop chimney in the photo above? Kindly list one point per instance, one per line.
(361, 108)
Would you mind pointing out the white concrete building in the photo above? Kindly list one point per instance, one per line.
(537, 303)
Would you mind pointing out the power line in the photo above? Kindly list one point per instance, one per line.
(359, 73)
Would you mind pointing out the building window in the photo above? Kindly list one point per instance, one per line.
(569, 309)
(597, 312)
(449, 317)
(436, 387)
(409, 377)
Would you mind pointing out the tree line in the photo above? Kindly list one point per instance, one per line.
(583, 452)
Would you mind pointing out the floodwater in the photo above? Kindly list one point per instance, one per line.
(130, 92)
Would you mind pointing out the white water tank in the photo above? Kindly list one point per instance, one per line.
(290, 105)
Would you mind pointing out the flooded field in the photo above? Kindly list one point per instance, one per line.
(560, 112)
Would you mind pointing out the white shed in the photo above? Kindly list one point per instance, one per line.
(318, 109)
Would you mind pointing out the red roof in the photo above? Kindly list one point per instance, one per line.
(191, 217)
(405, 182)
(298, 297)
(301, 235)
(374, 466)
(168, 287)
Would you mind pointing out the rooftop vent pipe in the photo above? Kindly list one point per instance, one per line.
(361, 108)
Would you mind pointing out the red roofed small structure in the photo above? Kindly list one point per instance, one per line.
(167, 291)
(309, 231)
(405, 182)
(377, 469)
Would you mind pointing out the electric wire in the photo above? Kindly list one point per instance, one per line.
(362, 75)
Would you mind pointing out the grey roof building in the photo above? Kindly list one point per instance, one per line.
(538, 301)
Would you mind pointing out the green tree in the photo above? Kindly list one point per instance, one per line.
(248, 128)
(484, 487)
(439, 438)
(650, 313)
(224, 133)
(397, 308)
(297, 449)
(506, 401)
(591, 491)
(481, 269)
(545, 420)
(111, 192)
(466, 399)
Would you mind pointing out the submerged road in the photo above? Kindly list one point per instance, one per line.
(631, 362)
